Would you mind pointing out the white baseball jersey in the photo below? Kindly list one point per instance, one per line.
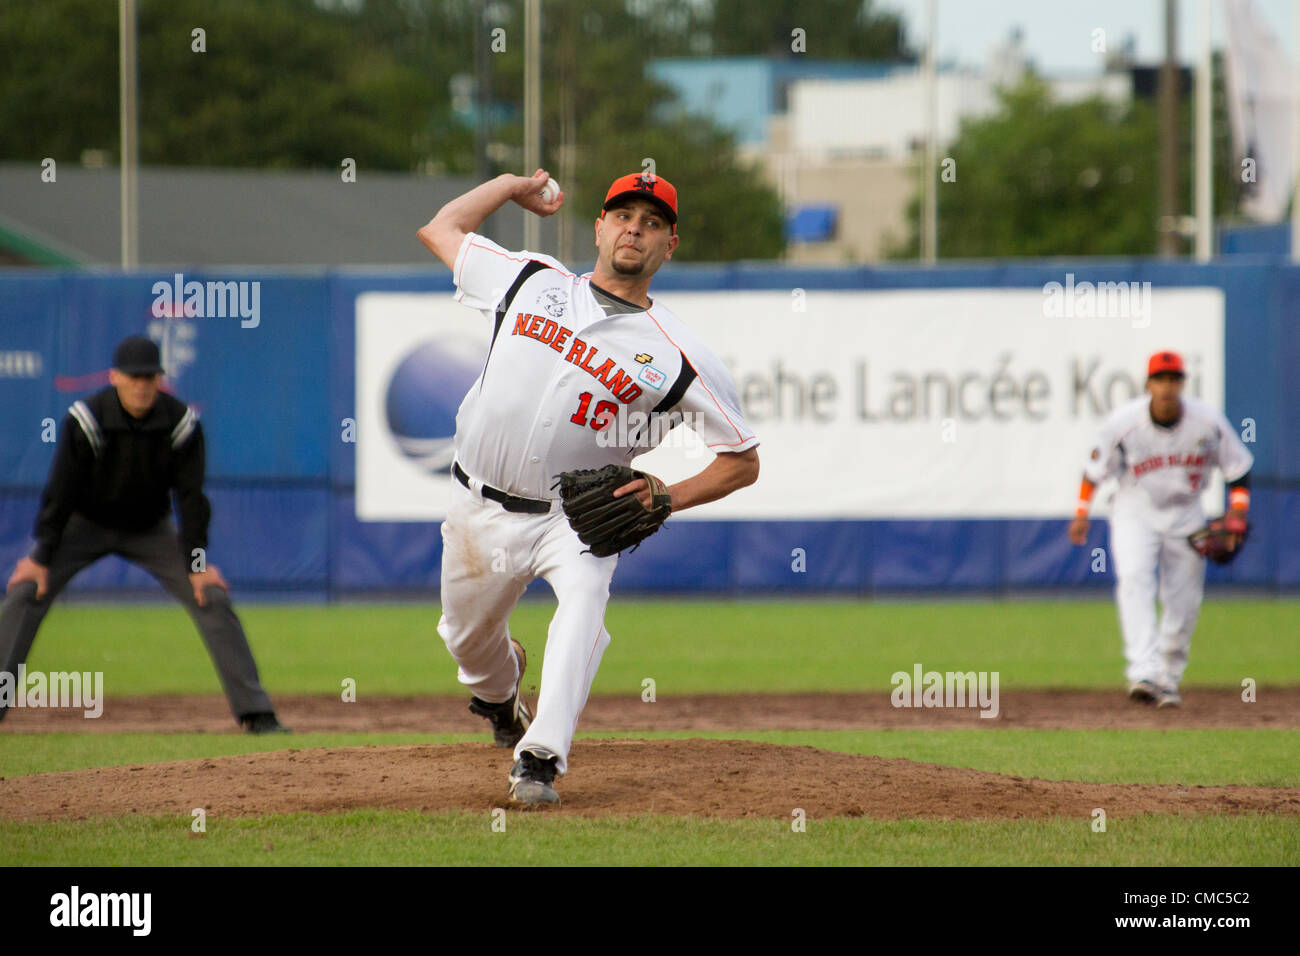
(1162, 472)
(1165, 468)
(567, 360)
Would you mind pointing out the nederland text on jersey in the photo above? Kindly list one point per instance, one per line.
(549, 332)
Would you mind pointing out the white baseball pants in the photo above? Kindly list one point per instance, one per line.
(489, 557)
(1151, 564)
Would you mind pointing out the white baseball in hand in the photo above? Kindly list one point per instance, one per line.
(550, 190)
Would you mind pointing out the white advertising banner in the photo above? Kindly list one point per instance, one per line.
(954, 403)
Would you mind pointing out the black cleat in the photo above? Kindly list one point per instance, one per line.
(1143, 692)
(510, 719)
(531, 779)
(262, 724)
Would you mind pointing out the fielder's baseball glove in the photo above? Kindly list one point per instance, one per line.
(605, 524)
(1221, 539)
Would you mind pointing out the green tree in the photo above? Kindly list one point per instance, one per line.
(1040, 178)
(833, 29)
(283, 83)
(601, 102)
(303, 84)
(58, 78)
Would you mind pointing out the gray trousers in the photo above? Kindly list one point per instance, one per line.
(158, 552)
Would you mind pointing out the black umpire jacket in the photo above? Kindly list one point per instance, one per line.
(120, 471)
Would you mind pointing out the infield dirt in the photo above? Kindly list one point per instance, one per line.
(713, 778)
(1276, 708)
(697, 777)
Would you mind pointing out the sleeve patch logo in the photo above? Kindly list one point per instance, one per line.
(643, 358)
(1095, 454)
(554, 301)
(652, 376)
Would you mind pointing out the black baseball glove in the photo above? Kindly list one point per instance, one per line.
(1221, 539)
(605, 524)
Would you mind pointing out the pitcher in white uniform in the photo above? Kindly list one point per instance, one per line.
(1161, 448)
(574, 360)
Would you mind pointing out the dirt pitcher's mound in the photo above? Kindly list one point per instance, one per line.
(1276, 708)
(714, 778)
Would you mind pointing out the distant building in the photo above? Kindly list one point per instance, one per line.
(743, 93)
(885, 117)
(840, 141)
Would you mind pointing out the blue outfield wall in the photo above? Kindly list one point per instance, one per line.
(274, 399)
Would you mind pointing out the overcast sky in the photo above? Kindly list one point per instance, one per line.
(1058, 33)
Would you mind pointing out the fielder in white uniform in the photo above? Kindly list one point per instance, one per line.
(1162, 448)
(570, 354)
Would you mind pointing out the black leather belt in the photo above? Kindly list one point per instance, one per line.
(528, 506)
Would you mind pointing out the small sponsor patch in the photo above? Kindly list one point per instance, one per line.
(653, 377)
(643, 358)
(1095, 454)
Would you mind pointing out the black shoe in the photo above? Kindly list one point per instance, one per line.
(511, 718)
(1143, 692)
(262, 724)
(531, 778)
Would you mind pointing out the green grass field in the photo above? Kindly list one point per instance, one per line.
(687, 646)
(407, 838)
(690, 647)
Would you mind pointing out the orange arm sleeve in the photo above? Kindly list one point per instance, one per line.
(1085, 498)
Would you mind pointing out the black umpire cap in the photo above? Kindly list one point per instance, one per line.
(137, 355)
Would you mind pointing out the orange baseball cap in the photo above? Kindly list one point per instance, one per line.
(1165, 362)
(644, 186)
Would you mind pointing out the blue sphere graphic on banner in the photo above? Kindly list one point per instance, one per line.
(421, 402)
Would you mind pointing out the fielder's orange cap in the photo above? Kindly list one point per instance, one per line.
(1165, 362)
(644, 186)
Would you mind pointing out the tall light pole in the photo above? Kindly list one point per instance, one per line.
(482, 92)
(130, 159)
(1168, 224)
(1204, 142)
(532, 107)
(1294, 171)
(929, 186)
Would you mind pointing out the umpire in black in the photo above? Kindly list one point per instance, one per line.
(122, 453)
